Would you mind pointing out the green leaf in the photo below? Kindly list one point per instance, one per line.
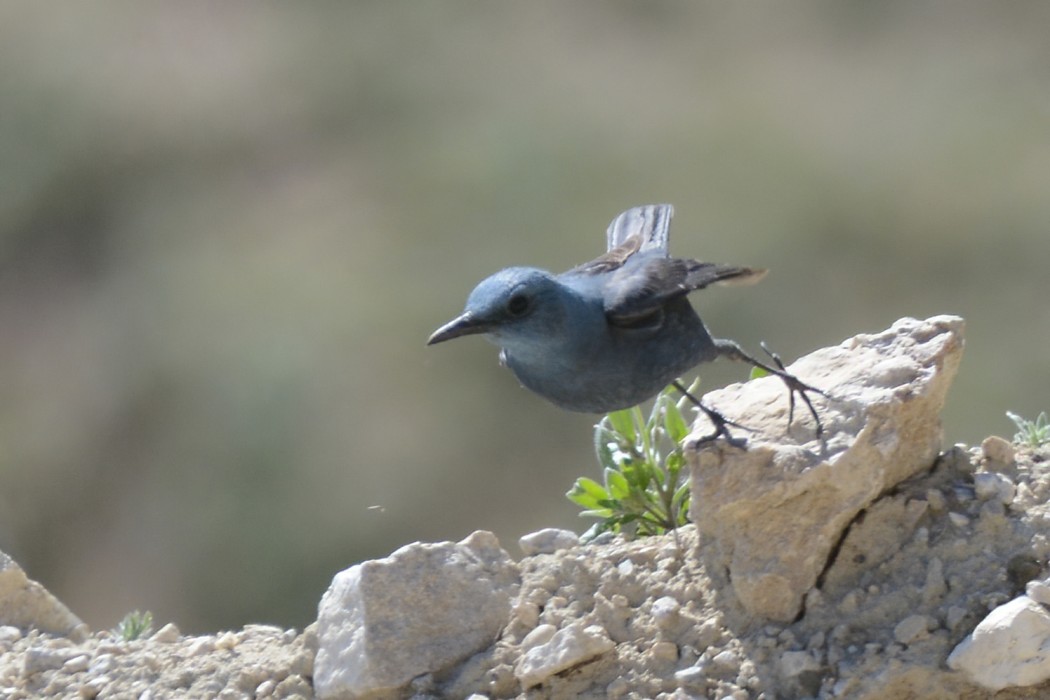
(587, 493)
(757, 372)
(622, 423)
(674, 422)
(616, 484)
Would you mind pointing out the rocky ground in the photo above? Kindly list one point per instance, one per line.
(934, 587)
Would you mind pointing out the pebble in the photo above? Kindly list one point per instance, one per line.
(666, 611)
(78, 663)
(167, 634)
(993, 485)
(539, 635)
(727, 660)
(937, 500)
(38, 659)
(664, 652)
(998, 450)
(547, 541)
(912, 628)
(204, 645)
(1039, 591)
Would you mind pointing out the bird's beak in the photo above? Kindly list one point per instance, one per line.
(464, 324)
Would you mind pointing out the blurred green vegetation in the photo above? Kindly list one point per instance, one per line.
(226, 231)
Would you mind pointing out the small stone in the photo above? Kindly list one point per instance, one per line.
(955, 617)
(539, 635)
(93, 687)
(528, 613)
(226, 640)
(666, 612)
(202, 646)
(993, 486)
(265, 689)
(167, 634)
(958, 520)
(78, 663)
(694, 676)
(664, 652)
(709, 634)
(998, 450)
(102, 663)
(935, 586)
(727, 660)
(38, 659)
(937, 500)
(1039, 591)
(569, 647)
(547, 541)
(794, 663)
(912, 628)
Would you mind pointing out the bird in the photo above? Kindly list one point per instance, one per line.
(615, 331)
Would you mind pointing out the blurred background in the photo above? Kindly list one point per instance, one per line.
(227, 229)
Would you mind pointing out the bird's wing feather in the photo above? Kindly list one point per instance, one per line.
(636, 291)
(651, 223)
(636, 230)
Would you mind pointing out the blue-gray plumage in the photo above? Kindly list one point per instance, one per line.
(612, 332)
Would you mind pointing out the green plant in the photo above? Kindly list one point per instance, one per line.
(642, 461)
(135, 625)
(1034, 433)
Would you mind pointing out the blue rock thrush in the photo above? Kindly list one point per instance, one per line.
(615, 331)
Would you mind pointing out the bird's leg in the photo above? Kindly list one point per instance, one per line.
(728, 348)
(720, 422)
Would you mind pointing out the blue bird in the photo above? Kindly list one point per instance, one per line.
(615, 331)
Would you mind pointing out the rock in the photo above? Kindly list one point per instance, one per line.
(993, 486)
(886, 526)
(1039, 591)
(771, 513)
(26, 604)
(547, 541)
(168, 634)
(568, 647)
(913, 628)
(999, 451)
(795, 663)
(1009, 647)
(423, 609)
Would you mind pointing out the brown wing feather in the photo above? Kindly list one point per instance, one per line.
(638, 291)
(613, 259)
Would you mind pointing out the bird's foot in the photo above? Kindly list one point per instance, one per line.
(720, 422)
(728, 348)
(795, 386)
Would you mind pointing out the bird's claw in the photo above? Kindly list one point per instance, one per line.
(720, 422)
(795, 385)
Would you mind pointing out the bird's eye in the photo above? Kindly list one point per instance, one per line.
(518, 305)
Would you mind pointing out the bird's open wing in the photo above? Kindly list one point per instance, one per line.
(650, 223)
(636, 230)
(640, 290)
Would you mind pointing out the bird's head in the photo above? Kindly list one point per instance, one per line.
(515, 305)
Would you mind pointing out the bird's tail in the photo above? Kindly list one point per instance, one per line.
(703, 274)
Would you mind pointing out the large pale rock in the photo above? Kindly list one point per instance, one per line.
(421, 610)
(26, 604)
(771, 513)
(1010, 647)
